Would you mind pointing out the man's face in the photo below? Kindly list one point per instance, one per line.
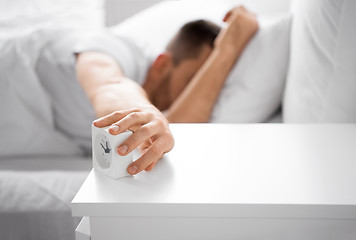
(181, 74)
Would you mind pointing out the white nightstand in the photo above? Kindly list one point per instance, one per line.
(262, 181)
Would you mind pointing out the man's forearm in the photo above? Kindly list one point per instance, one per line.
(120, 95)
(123, 105)
(106, 86)
(196, 102)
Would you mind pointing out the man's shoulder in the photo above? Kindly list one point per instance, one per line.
(130, 54)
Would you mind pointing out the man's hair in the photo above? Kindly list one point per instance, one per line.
(190, 39)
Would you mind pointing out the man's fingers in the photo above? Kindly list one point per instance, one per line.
(227, 16)
(151, 135)
(152, 155)
(112, 118)
(141, 135)
(144, 146)
(151, 166)
(234, 11)
(129, 121)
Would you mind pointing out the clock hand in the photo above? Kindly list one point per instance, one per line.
(107, 148)
(103, 147)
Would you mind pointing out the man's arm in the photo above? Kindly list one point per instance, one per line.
(106, 86)
(123, 103)
(196, 102)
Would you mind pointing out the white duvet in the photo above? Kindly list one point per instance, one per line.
(35, 186)
(26, 27)
(34, 204)
(26, 121)
(35, 189)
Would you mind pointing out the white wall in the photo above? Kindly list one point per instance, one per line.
(119, 10)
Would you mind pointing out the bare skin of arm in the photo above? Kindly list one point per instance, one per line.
(105, 84)
(119, 100)
(123, 104)
(196, 102)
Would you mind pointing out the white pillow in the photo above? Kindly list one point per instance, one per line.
(25, 14)
(321, 85)
(27, 123)
(254, 89)
(154, 27)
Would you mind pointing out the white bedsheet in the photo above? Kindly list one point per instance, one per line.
(35, 194)
(27, 122)
(36, 189)
(27, 27)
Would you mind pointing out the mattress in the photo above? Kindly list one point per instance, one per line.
(35, 194)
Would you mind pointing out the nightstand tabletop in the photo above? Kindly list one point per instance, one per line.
(237, 170)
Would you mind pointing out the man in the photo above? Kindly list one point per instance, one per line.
(181, 85)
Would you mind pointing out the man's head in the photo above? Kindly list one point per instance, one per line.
(191, 38)
(185, 54)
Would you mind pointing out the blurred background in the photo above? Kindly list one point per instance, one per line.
(303, 71)
(99, 13)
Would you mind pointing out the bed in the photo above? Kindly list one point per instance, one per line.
(37, 184)
(35, 195)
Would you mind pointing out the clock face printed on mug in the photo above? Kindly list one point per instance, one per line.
(103, 151)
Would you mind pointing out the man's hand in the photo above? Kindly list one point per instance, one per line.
(109, 91)
(242, 25)
(151, 135)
